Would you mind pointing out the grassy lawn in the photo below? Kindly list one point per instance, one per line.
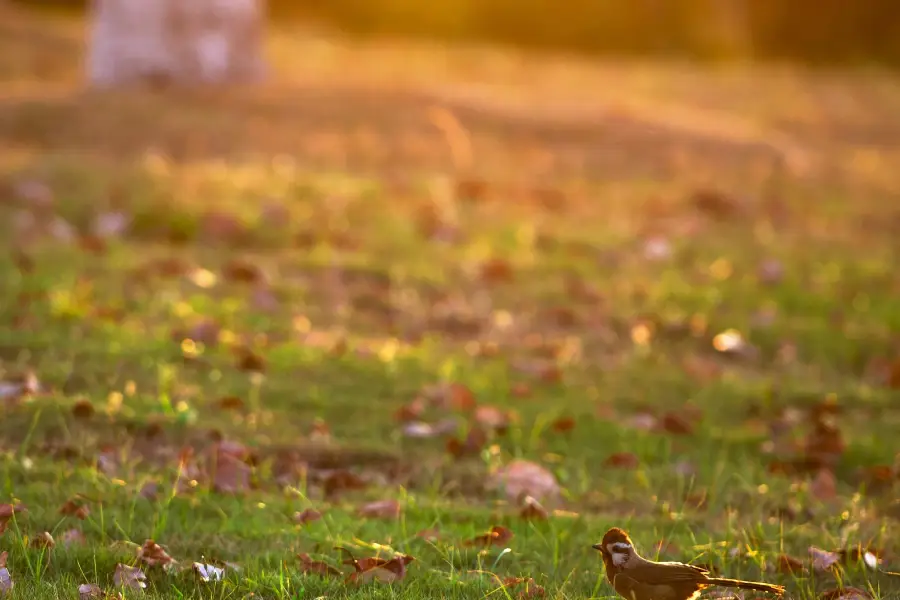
(375, 303)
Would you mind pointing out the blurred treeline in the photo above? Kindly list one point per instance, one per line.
(812, 31)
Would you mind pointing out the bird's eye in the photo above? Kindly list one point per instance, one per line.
(621, 547)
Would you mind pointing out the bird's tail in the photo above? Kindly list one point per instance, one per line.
(748, 585)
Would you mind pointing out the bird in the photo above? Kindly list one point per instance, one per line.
(636, 578)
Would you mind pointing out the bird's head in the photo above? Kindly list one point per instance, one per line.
(616, 547)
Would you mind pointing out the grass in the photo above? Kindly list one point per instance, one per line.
(536, 229)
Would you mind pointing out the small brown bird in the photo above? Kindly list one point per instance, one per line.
(636, 578)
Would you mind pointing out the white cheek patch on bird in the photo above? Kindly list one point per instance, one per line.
(620, 552)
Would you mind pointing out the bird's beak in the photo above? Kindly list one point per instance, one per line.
(598, 546)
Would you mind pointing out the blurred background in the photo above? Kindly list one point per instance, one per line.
(821, 32)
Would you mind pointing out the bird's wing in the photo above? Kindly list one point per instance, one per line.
(657, 573)
(632, 588)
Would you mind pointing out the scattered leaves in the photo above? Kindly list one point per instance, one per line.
(316, 567)
(380, 509)
(6, 582)
(846, 593)
(789, 565)
(207, 572)
(306, 516)
(532, 509)
(73, 507)
(522, 478)
(622, 460)
(497, 536)
(152, 554)
(129, 577)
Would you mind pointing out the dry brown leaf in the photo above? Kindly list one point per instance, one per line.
(677, 424)
(72, 537)
(232, 473)
(380, 509)
(497, 536)
(75, 508)
(242, 271)
(622, 460)
(532, 509)
(532, 590)
(6, 514)
(317, 567)
(342, 480)
(893, 379)
(563, 425)
(431, 534)
(475, 440)
(790, 565)
(823, 560)
(526, 478)
(308, 515)
(846, 593)
(83, 409)
(823, 487)
(410, 412)
(89, 591)
(385, 571)
(231, 403)
(496, 270)
(492, 417)
(43, 541)
(249, 361)
(152, 554)
(130, 577)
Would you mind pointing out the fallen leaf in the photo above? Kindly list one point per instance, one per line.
(474, 441)
(232, 473)
(496, 270)
(152, 554)
(75, 508)
(43, 540)
(497, 536)
(380, 509)
(430, 535)
(207, 572)
(492, 417)
(522, 478)
(677, 424)
(790, 565)
(249, 361)
(83, 409)
(823, 560)
(563, 425)
(307, 516)
(871, 558)
(6, 514)
(231, 403)
(71, 537)
(532, 509)
(532, 590)
(89, 591)
(341, 480)
(846, 593)
(242, 271)
(823, 487)
(454, 396)
(387, 572)
(130, 577)
(6, 582)
(622, 460)
(410, 412)
(317, 567)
